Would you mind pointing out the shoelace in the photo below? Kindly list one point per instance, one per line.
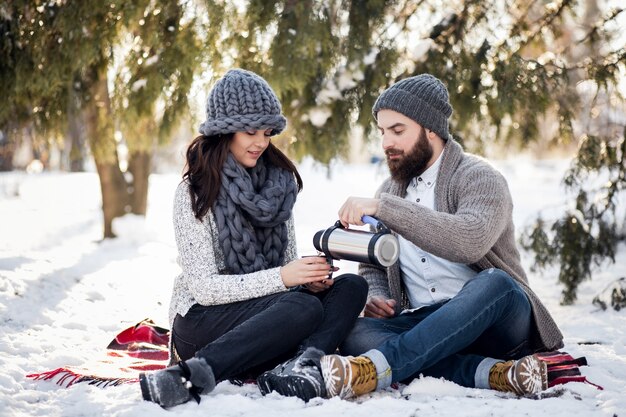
(193, 390)
(499, 380)
(364, 372)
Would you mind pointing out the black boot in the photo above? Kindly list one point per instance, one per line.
(177, 384)
(298, 377)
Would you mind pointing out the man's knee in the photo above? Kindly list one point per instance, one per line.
(365, 335)
(352, 345)
(496, 281)
(495, 284)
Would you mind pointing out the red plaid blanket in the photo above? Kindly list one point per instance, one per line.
(142, 347)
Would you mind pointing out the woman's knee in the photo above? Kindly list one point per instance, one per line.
(355, 284)
(303, 307)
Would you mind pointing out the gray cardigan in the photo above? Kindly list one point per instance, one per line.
(472, 224)
(204, 279)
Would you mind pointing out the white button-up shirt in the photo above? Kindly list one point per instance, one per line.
(428, 279)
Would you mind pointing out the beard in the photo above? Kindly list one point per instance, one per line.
(412, 164)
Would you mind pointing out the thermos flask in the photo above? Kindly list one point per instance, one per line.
(380, 248)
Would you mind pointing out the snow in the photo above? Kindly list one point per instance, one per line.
(329, 93)
(319, 115)
(64, 294)
(370, 58)
(419, 52)
(348, 80)
(139, 84)
(152, 60)
(332, 91)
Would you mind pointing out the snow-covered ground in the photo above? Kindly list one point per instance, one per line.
(64, 294)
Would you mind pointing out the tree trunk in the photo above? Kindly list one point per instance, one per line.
(7, 149)
(139, 166)
(99, 123)
(77, 153)
(114, 196)
(140, 134)
(74, 152)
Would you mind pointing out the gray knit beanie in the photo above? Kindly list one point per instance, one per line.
(242, 101)
(422, 98)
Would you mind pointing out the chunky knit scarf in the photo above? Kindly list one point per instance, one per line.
(250, 211)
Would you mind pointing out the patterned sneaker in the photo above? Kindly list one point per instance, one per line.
(347, 376)
(298, 377)
(525, 376)
(177, 384)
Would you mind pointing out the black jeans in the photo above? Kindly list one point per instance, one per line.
(245, 338)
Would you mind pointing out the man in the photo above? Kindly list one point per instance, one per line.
(457, 304)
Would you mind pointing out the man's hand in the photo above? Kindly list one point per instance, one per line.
(356, 207)
(380, 308)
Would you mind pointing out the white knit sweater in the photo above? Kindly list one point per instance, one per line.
(203, 279)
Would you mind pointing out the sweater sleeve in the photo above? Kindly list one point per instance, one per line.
(377, 281)
(483, 209)
(198, 260)
(376, 276)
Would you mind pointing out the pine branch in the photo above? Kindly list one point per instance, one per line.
(404, 14)
(600, 25)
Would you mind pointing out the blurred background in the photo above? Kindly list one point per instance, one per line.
(118, 88)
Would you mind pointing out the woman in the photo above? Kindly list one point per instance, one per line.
(244, 301)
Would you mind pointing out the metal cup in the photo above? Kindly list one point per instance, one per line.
(329, 261)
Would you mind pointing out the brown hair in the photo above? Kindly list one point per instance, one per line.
(203, 170)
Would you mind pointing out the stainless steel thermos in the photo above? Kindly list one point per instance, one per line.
(380, 248)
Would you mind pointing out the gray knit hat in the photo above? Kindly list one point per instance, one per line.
(422, 98)
(242, 101)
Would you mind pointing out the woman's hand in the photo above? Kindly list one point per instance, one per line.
(308, 270)
(319, 286)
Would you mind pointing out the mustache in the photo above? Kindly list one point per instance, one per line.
(392, 151)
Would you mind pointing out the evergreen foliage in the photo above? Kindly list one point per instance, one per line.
(512, 67)
(57, 61)
(157, 70)
(613, 295)
(588, 233)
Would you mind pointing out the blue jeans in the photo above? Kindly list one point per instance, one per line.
(489, 320)
(241, 340)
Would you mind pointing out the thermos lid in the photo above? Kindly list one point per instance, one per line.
(388, 250)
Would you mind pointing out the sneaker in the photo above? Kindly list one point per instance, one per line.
(348, 376)
(298, 377)
(525, 376)
(177, 384)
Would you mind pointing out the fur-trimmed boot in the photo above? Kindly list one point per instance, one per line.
(178, 384)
